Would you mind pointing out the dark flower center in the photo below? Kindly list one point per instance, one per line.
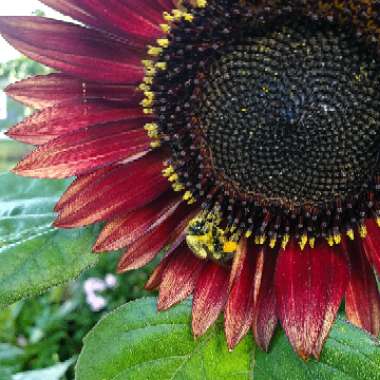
(271, 115)
(292, 114)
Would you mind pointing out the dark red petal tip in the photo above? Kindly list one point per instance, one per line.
(362, 295)
(264, 314)
(240, 305)
(179, 278)
(209, 297)
(310, 285)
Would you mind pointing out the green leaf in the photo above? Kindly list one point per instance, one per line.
(138, 343)
(34, 255)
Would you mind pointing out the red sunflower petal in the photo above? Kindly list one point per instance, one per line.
(239, 308)
(155, 278)
(125, 230)
(93, 56)
(85, 150)
(264, 312)
(310, 285)
(210, 296)
(170, 233)
(362, 295)
(50, 90)
(59, 120)
(78, 186)
(121, 18)
(120, 190)
(371, 244)
(179, 278)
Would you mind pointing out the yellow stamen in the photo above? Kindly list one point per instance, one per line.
(167, 172)
(230, 246)
(272, 242)
(285, 241)
(173, 177)
(165, 28)
(350, 233)
(178, 187)
(187, 196)
(163, 42)
(378, 222)
(154, 50)
(201, 3)
(155, 144)
(362, 231)
(248, 234)
(337, 238)
(330, 241)
(161, 65)
(303, 241)
(312, 242)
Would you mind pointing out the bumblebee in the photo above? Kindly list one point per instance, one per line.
(208, 241)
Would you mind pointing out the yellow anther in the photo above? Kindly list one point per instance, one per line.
(188, 17)
(337, 238)
(165, 28)
(330, 241)
(153, 134)
(146, 102)
(285, 241)
(147, 63)
(178, 187)
(155, 144)
(187, 196)
(148, 80)
(177, 14)
(312, 242)
(201, 3)
(191, 201)
(272, 243)
(168, 17)
(350, 233)
(248, 234)
(144, 87)
(163, 42)
(303, 241)
(230, 246)
(378, 222)
(260, 240)
(362, 231)
(154, 51)
(161, 65)
(167, 172)
(173, 177)
(148, 111)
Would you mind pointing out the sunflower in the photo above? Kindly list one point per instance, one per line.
(242, 138)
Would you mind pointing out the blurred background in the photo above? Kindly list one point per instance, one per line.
(44, 332)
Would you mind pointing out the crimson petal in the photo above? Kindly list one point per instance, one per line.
(78, 186)
(240, 304)
(122, 189)
(371, 244)
(93, 56)
(179, 277)
(121, 18)
(49, 90)
(144, 250)
(84, 150)
(125, 230)
(59, 120)
(210, 296)
(362, 295)
(264, 312)
(309, 285)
